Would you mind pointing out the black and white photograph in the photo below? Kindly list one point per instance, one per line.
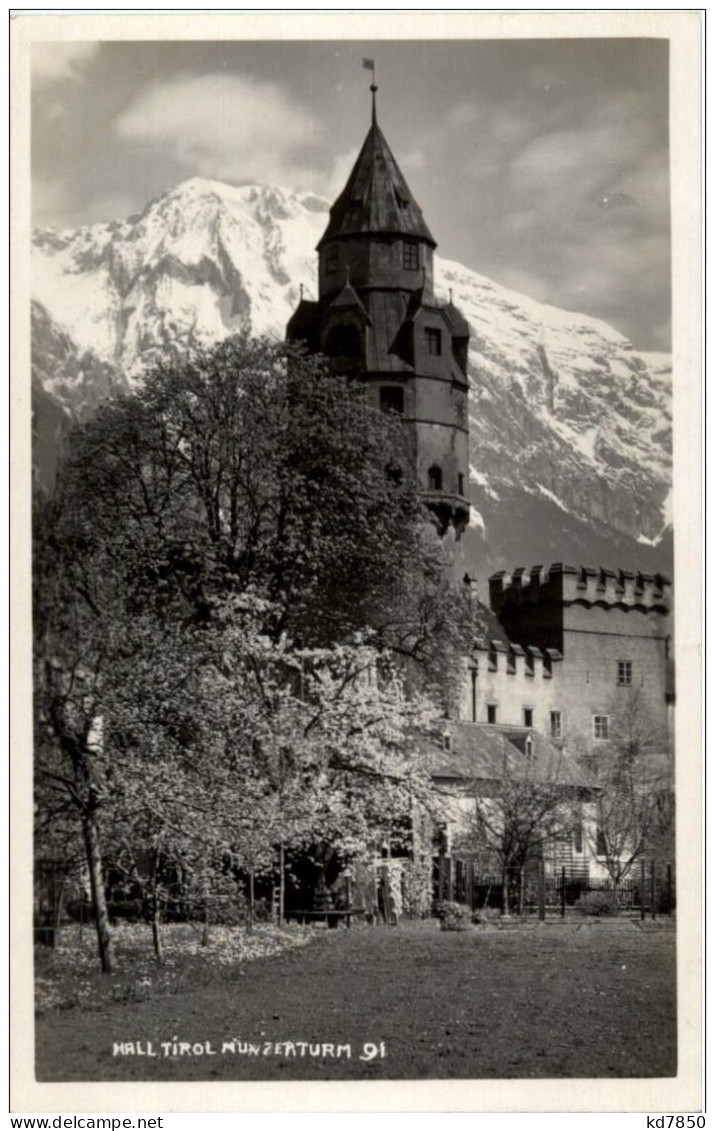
(354, 533)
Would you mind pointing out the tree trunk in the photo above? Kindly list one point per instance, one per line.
(281, 885)
(156, 933)
(505, 893)
(155, 909)
(251, 898)
(99, 902)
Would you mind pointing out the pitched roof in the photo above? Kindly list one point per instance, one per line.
(348, 298)
(376, 197)
(486, 752)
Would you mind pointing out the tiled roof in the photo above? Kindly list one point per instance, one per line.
(486, 752)
(376, 197)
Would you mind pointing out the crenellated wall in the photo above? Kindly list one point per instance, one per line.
(583, 642)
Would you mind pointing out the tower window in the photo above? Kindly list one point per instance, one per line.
(331, 258)
(556, 729)
(460, 483)
(600, 726)
(433, 341)
(625, 673)
(434, 478)
(528, 716)
(392, 399)
(410, 256)
(491, 712)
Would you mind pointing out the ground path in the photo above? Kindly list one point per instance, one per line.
(547, 1001)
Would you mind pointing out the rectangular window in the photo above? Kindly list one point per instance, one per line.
(625, 673)
(600, 726)
(460, 483)
(491, 712)
(433, 341)
(528, 716)
(555, 718)
(601, 846)
(392, 399)
(331, 258)
(410, 256)
(474, 694)
(578, 836)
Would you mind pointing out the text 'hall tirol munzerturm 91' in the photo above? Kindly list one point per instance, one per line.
(376, 317)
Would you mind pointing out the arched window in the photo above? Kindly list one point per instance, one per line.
(344, 340)
(434, 478)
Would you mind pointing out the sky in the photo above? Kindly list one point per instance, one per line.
(542, 164)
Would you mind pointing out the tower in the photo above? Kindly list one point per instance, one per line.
(376, 318)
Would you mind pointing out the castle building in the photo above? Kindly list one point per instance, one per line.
(568, 647)
(376, 318)
(565, 647)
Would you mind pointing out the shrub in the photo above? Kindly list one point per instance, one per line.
(597, 903)
(486, 915)
(453, 916)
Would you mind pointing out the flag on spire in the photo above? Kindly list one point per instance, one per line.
(369, 65)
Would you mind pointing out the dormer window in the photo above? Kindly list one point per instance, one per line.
(433, 341)
(434, 478)
(331, 258)
(402, 203)
(410, 256)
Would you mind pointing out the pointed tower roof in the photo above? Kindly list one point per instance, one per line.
(376, 198)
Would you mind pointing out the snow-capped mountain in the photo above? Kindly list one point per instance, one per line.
(570, 426)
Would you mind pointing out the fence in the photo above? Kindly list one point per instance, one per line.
(648, 889)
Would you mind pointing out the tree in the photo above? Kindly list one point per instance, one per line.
(220, 569)
(634, 807)
(532, 804)
(250, 467)
(74, 629)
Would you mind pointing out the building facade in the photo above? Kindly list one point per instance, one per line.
(568, 647)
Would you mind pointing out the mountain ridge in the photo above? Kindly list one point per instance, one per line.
(567, 419)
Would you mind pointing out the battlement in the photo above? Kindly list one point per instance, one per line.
(567, 584)
(515, 660)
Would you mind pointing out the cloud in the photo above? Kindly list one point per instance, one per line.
(60, 61)
(228, 126)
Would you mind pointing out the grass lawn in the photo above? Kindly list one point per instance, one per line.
(569, 1000)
